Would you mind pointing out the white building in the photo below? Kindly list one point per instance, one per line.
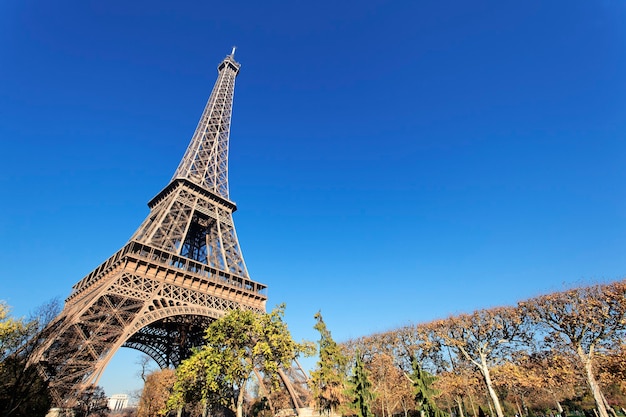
(118, 402)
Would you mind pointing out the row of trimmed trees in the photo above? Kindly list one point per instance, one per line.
(543, 351)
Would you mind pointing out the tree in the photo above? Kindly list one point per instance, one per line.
(156, 391)
(392, 390)
(518, 381)
(92, 403)
(612, 370)
(583, 320)
(200, 379)
(13, 332)
(145, 369)
(484, 339)
(360, 389)
(237, 345)
(329, 376)
(453, 385)
(424, 392)
(555, 375)
(22, 390)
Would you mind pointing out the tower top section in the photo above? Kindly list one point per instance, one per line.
(230, 60)
(205, 162)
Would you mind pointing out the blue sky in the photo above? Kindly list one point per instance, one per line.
(393, 161)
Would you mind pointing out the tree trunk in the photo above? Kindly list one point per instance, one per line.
(472, 404)
(609, 409)
(240, 397)
(484, 370)
(459, 403)
(559, 408)
(490, 406)
(591, 381)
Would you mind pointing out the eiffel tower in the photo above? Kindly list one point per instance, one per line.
(179, 271)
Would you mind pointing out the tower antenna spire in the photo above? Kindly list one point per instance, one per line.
(233, 52)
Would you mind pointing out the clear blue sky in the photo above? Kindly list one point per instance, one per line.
(393, 161)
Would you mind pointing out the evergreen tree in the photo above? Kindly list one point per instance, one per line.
(328, 378)
(422, 384)
(424, 392)
(360, 390)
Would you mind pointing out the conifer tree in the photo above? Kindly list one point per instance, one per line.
(328, 378)
(424, 392)
(360, 389)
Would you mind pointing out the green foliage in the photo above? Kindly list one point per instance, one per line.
(328, 377)
(424, 392)
(360, 390)
(235, 346)
(13, 332)
(202, 379)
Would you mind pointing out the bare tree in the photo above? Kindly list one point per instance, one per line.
(144, 362)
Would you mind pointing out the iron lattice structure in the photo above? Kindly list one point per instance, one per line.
(180, 270)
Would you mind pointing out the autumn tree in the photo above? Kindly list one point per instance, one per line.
(584, 320)
(12, 332)
(455, 384)
(556, 374)
(237, 345)
(156, 391)
(517, 381)
(329, 375)
(483, 338)
(612, 370)
(392, 389)
(416, 343)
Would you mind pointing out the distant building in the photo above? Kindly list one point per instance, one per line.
(118, 402)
